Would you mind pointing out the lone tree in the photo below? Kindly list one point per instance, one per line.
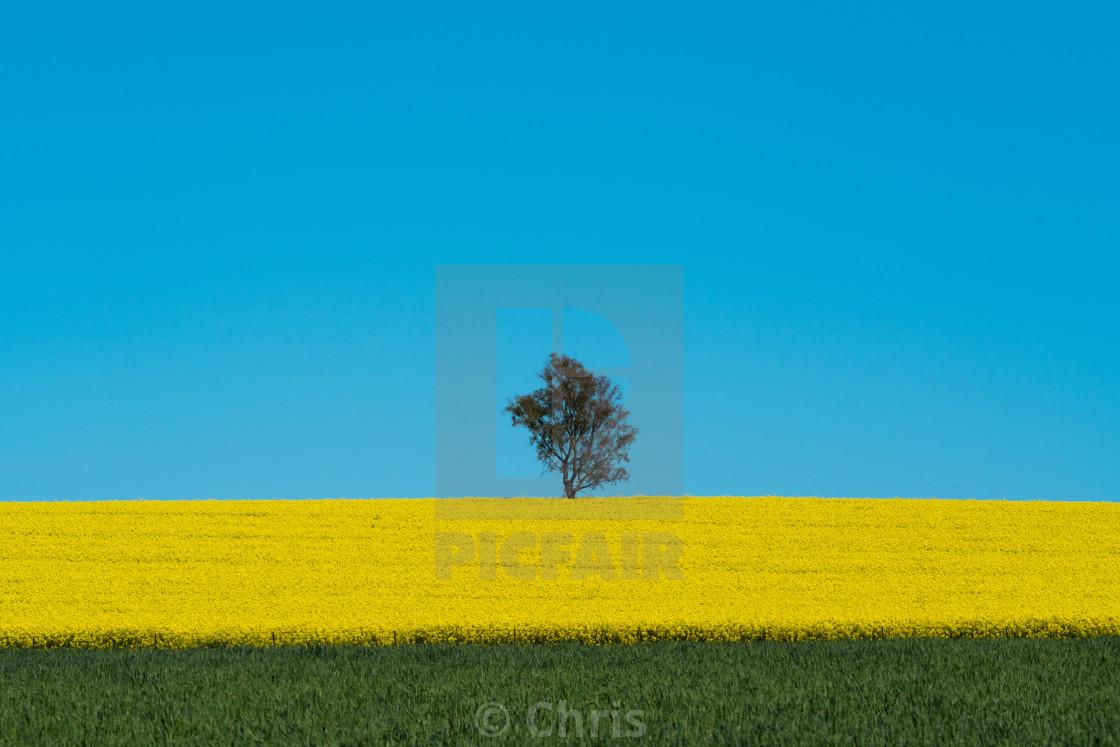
(577, 424)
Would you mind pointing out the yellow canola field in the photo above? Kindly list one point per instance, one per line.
(188, 573)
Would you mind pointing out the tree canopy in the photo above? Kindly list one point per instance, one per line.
(577, 425)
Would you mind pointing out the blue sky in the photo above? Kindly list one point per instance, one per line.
(897, 225)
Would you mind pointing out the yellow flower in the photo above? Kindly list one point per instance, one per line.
(601, 570)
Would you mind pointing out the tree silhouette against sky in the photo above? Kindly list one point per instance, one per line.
(577, 424)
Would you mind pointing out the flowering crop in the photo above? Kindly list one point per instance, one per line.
(189, 573)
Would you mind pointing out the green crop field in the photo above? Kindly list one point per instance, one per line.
(915, 691)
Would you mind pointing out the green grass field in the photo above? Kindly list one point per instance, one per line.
(939, 692)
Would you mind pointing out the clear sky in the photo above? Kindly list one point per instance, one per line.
(898, 227)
